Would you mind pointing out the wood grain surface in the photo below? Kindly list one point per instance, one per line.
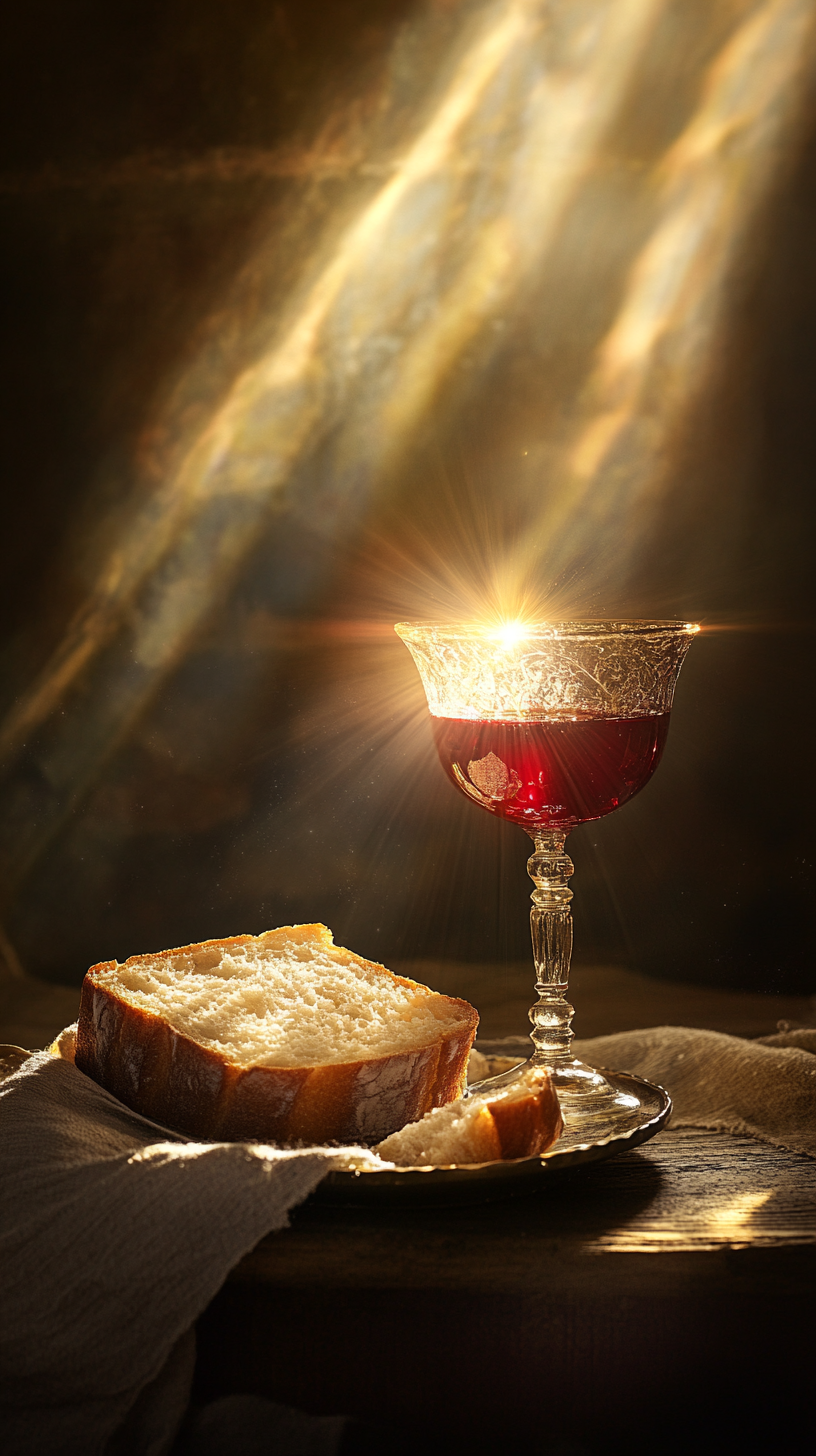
(684, 1192)
(657, 1303)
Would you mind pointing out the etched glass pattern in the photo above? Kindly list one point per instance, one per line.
(551, 672)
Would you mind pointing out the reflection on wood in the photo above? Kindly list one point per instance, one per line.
(683, 1192)
(716, 1191)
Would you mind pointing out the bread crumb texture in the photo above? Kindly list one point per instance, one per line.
(290, 998)
(452, 1134)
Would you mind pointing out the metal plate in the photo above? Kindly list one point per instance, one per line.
(11, 1059)
(486, 1182)
(477, 1182)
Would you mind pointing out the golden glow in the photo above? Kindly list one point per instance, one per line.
(405, 285)
(511, 634)
(730, 1219)
(410, 291)
(652, 361)
(714, 1222)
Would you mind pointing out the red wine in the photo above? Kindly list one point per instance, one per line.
(554, 773)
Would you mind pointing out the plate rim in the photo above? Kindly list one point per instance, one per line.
(340, 1184)
(365, 1180)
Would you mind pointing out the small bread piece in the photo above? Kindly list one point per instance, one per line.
(521, 1120)
(283, 1038)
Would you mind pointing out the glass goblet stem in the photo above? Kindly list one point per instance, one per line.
(584, 1092)
(551, 928)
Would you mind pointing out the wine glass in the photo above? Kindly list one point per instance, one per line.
(551, 726)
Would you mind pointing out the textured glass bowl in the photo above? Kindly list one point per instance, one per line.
(544, 671)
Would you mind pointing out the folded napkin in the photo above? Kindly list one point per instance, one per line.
(765, 1089)
(115, 1234)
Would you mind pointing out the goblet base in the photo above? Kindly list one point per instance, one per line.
(591, 1106)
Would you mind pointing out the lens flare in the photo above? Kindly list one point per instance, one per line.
(511, 633)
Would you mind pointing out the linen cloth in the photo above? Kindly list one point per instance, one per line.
(115, 1234)
(764, 1089)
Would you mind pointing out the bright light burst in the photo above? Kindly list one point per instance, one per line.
(511, 633)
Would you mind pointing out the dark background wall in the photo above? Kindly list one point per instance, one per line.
(287, 773)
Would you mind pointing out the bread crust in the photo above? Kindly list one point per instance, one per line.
(506, 1128)
(528, 1126)
(172, 1079)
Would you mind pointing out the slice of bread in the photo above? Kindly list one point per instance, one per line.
(520, 1120)
(283, 1038)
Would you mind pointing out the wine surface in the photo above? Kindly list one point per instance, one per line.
(551, 773)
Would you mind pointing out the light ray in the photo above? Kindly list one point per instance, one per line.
(457, 235)
(652, 362)
(390, 280)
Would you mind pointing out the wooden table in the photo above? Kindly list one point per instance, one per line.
(662, 1301)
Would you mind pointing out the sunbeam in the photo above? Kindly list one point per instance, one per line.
(397, 305)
